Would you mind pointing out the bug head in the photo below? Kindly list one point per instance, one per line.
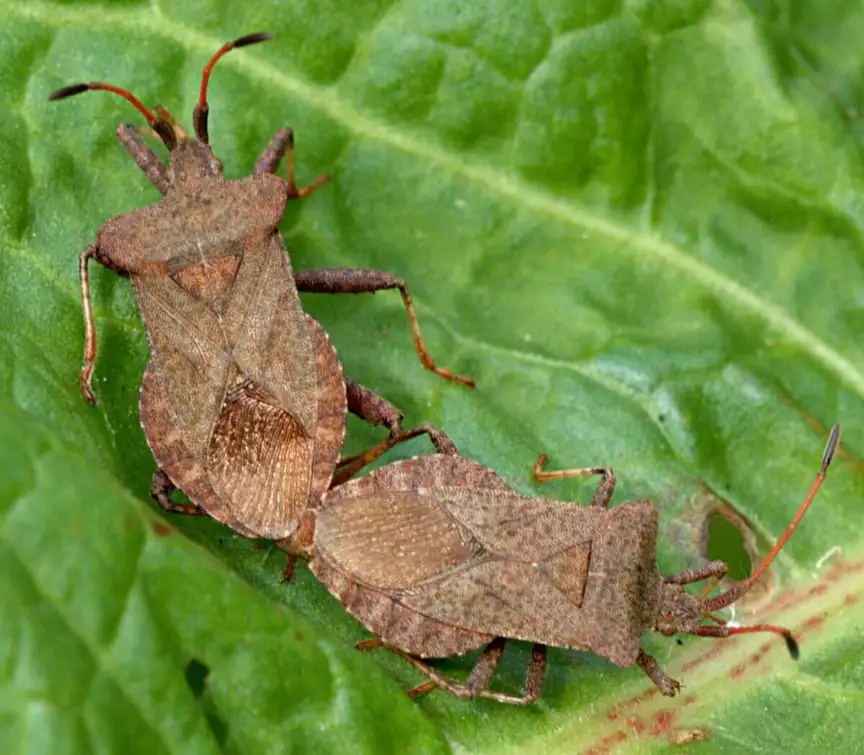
(679, 612)
(684, 613)
(190, 159)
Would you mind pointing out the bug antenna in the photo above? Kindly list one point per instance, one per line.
(199, 115)
(157, 124)
(710, 605)
(70, 91)
(727, 631)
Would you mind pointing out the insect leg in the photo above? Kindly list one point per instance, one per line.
(350, 465)
(536, 671)
(161, 489)
(665, 683)
(533, 679)
(712, 570)
(91, 252)
(483, 671)
(281, 144)
(290, 564)
(364, 281)
(478, 679)
(604, 491)
(179, 131)
(372, 407)
(145, 158)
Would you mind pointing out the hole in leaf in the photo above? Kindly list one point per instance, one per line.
(725, 542)
(196, 677)
(722, 534)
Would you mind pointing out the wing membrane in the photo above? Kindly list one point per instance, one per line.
(260, 462)
(393, 540)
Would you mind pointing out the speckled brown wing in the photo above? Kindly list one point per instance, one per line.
(246, 393)
(422, 472)
(372, 547)
(561, 574)
(259, 460)
(267, 333)
(383, 532)
(173, 457)
(394, 540)
(481, 559)
(187, 472)
(538, 570)
(189, 358)
(389, 529)
(332, 408)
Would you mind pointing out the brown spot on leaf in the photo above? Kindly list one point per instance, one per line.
(663, 722)
(605, 745)
(709, 655)
(686, 736)
(813, 623)
(615, 713)
(764, 648)
(637, 724)
(161, 529)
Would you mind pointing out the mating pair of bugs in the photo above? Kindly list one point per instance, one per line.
(244, 402)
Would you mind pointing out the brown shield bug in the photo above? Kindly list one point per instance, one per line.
(243, 402)
(437, 556)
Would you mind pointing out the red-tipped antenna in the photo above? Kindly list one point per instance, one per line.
(160, 126)
(727, 631)
(199, 115)
(740, 588)
(69, 91)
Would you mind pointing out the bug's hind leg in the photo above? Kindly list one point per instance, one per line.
(605, 489)
(161, 489)
(481, 675)
(348, 280)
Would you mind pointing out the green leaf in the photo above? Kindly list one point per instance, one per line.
(638, 226)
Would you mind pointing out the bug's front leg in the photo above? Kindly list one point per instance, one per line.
(714, 570)
(145, 158)
(281, 144)
(665, 683)
(92, 251)
(364, 281)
